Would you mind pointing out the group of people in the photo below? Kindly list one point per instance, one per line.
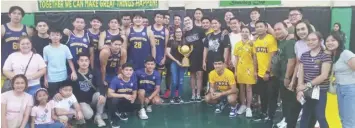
(119, 70)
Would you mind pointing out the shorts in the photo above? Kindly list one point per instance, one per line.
(195, 64)
(160, 67)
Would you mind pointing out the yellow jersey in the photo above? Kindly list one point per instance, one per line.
(263, 49)
(222, 82)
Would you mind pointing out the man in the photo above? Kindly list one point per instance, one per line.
(206, 25)
(141, 42)
(89, 91)
(166, 19)
(215, 45)
(149, 87)
(286, 64)
(12, 31)
(121, 95)
(79, 41)
(234, 36)
(255, 16)
(145, 21)
(194, 36)
(126, 23)
(222, 87)
(161, 35)
(111, 58)
(198, 14)
(41, 39)
(264, 49)
(295, 15)
(113, 30)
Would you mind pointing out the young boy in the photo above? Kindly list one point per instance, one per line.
(63, 108)
(56, 55)
(122, 93)
(222, 87)
(149, 86)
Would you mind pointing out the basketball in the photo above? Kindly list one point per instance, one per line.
(185, 49)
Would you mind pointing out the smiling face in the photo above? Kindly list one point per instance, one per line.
(95, 24)
(234, 25)
(294, 16)
(260, 28)
(42, 97)
(313, 42)
(79, 24)
(42, 27)
(16, 16)
(25, 45)
(198, 15)
(138, 20)
(302, 31)
(280, 30)
(113, 24)
(331, 43)
(19, 85)
(254, 15)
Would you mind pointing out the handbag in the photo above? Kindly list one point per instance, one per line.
(7, 84)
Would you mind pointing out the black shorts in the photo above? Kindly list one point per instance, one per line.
(160, 67)
(195, 64)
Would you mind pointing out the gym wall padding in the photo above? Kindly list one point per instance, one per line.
(352, 38)
(343, 16)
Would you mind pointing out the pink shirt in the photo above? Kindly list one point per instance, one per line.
(15, 105)
(17, 62)
(43, 115)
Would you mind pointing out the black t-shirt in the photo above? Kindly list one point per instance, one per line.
(84, 91)
(174, 49)
(216, 44)
(194, 37)
(39, 43)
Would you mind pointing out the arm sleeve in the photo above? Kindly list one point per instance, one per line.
(231, 79)
(33, 112)
(205, 41)
(113, 84)
(135, 86)
(4, 98)
(210, 78)
(347, 55)
(8, 62)
(68, 54)
(41, 63)
(158, 79)
(226, 41)
(326, 58)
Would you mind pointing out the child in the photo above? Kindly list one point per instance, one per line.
(63, 107)
(42, 113)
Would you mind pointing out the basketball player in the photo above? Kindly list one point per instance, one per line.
(166, 19)
(12, 31)
(194, 36)
(106, 36)
(79, 41)
(198, 14)
(161, 35)
(148, 87)
(111, 58)
(145, 22)
(222, 87)
(141, 42)
(126, 23)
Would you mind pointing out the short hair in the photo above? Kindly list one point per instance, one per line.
(188, 17)
(39, 21)
(261, 21)
(96, 18)
(14, 8)
(83, 55)
(244, 27)
(255, 9)
(167, 14)
(127, 65)
(283, 23)
(55, 30)
(138, 14)
(114, 18)
(116, 38)
(216, 19)
(19, 76)
(206, 18)
(198, 9)
(234, 18)
(66, 83)
(149, 59)
(218, 59)
(296, 9)
(78, 17)
(159, 13)
(124, 14)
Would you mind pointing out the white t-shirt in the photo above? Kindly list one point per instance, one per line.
(43, 115)
(234, 39)
(66, 103)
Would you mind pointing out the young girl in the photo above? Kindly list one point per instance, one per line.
(43, 115)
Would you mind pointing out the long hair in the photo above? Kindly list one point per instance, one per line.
(21, 76)
(319, 36)
(309, 27)
(340, 48)
(182, 36)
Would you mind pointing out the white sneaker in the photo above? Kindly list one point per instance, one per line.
(281, 123)
(317, 125)
(248, 113)
(242, 109)
(149, 108)
(104, 116)
(99, 121)
(142, 114)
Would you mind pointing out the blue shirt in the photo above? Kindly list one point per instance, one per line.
(56, 57)
(146, 81)
(78, 45)
(122, 87)
(159, 43)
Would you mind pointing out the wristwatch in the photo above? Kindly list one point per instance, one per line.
(309, 85)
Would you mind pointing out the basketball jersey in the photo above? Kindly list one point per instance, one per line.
(109, 37)
(113, 63)
(9, 42)
(159, 43)
(139, 47)
(95, 42)
(148, 82)
(78, 45)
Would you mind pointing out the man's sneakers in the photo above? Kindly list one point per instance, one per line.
(282, 123)
(248, 113)
(114, 122)
(220, 106)
(149, 108)
(122, 115)
(100, 122)
(176, 100)
(233, 112)
(241, 110)
(142, 114)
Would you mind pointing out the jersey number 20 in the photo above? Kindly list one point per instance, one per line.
(137, 44)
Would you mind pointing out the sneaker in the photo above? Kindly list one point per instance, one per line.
(172, 100)
(114, 124)
(219, 107)
(260, 117)
(142, 114)
(149, 108)
(193, 98)
(166, 94)
(317, 125)
(104, 116)
(233, 112)
(179, 100)
(248, 113)
(281, 122)
(198, 98)
(122, 115)
(99, 121)
(241, 110)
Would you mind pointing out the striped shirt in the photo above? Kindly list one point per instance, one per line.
(312, 65)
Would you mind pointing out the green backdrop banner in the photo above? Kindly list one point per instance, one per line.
(231, 3)
(56, 5)
(343, 16)
(28, 19)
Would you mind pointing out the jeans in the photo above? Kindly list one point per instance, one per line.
(290, 106)
(87, 109)
(269, 92)
(32, 89)
(346, 104)
(53, 125)
(177, 77)
(314, 110)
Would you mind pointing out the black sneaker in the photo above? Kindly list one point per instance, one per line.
(260, 117)
(114, 124)
(122, 115)
(198, 98)
(193, 99)
(179, 100)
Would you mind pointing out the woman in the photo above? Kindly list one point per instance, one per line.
(313, 74)
(16, 104)
(344, 71)
(337, 29)
(245, 71)
(26, 62)
(177, 71)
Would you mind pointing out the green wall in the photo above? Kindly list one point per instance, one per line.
(343, 16)
(29, 19)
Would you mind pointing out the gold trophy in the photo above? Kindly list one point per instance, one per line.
(185, 51)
